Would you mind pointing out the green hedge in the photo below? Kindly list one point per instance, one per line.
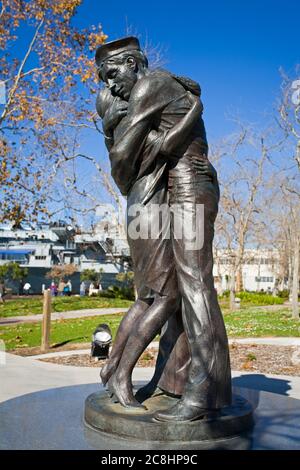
(116, 292)
(256, 298)
(259, 298)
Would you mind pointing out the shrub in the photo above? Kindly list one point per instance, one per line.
(259, 298)
(256, 298)
(225, 294)
(283, 294)
(116, 292)
(251, 357)
(91, 275)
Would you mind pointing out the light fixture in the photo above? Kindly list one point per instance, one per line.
(101, 340)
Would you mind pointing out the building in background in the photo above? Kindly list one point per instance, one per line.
(261, 270)
(39, 249)
(104, 248)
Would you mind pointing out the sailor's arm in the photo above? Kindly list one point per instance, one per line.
(181, 131)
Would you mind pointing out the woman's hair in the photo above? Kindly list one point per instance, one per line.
(188, 84)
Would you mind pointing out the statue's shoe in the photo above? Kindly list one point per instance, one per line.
(146, 392)
(118, 396)
(183, 412)
(106, 372)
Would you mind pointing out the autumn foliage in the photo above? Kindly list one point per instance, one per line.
(44, 72)
(59, 272)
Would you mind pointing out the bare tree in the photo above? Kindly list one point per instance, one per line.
(289, 112)
(289, 232)
(289, 123)
(243, 162)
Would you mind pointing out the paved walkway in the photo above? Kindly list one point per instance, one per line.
(20, 375)
(89, 312)
(93, 312)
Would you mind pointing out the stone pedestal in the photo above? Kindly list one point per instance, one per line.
(112, 419)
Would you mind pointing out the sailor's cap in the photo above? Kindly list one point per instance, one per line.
(113, 48)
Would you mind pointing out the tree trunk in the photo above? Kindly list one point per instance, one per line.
(290, 278)
(232, 291)
(295, 285)
(239, 280)
(135, 292)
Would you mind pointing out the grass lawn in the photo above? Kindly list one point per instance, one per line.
(34, 305)
(255, 322)
(247, 322)
(62, 331)
(59, 304)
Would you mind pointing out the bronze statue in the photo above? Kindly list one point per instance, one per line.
(158, 151)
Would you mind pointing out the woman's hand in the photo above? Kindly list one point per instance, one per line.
(113, 115)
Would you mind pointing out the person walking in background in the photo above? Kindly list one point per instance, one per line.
(26, 288)
(91, 289)
(69, 284)
(82, 289)
(61, 287)
(66, 290)
(53, 289)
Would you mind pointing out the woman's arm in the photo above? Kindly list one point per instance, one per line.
(111, 110)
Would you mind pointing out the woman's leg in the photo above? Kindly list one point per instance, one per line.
(173, 359)
(124, 330)
(144, 332)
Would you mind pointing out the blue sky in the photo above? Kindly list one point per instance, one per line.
(233, 48)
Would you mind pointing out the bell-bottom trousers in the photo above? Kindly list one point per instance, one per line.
(193, 200)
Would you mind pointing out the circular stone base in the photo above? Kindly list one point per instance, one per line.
(113, 419)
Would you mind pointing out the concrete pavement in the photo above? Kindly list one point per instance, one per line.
(23, 375)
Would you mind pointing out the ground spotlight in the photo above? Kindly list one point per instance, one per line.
(101, 341)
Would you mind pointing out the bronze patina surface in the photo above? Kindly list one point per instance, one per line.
(155, 134)
(140, 425)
